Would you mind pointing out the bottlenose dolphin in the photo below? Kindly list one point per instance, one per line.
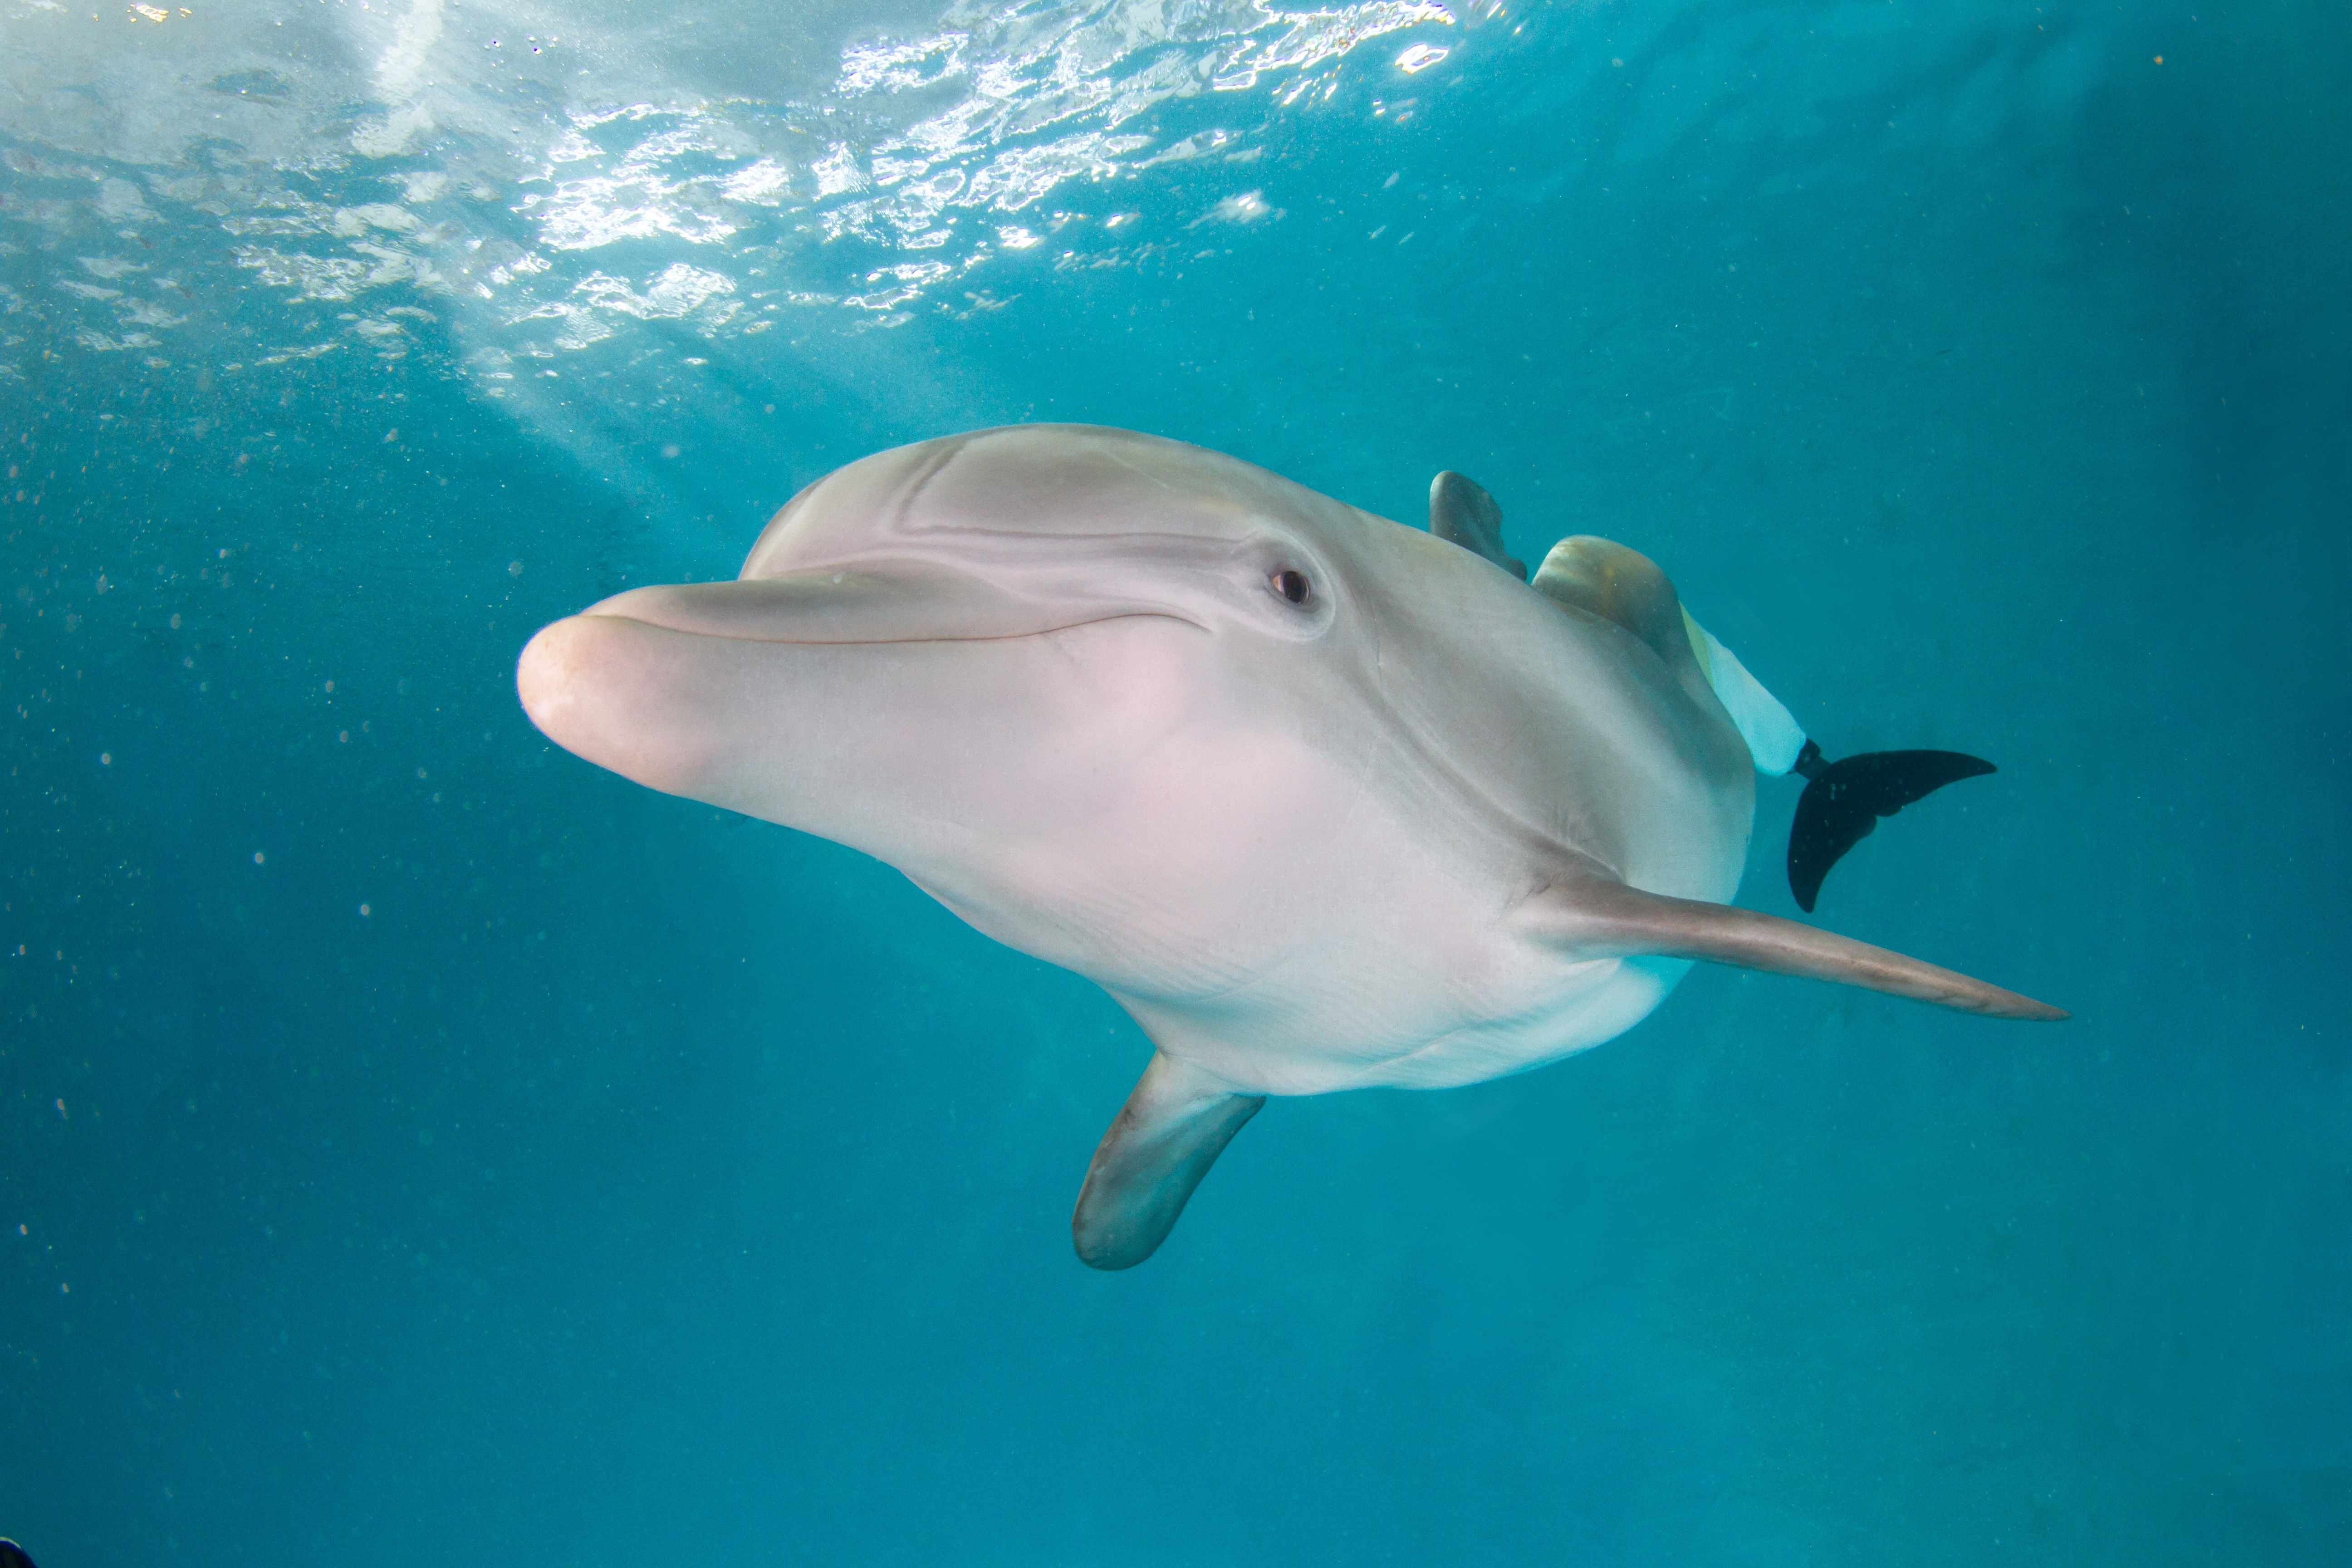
(1323, 801)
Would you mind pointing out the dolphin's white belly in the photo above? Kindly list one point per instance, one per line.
(1248, 883)
(1418, 983)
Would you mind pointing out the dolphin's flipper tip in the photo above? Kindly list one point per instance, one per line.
(13, 1555)
(1844, 799)
(1174, 1125)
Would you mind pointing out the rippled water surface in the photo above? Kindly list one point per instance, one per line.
(414, 1143)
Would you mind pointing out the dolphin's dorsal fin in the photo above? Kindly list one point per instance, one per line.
(1592, 915)
(1461, 513)
(1170, 1130)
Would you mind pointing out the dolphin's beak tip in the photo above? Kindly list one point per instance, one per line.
(543, 674)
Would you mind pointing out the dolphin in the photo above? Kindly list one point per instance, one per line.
(1323, 801)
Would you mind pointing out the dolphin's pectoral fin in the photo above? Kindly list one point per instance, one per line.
(1844, 799)
(1168, 1134)
(1589, 915)
(1461, 513)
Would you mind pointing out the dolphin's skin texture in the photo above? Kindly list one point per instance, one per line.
(1323, 801)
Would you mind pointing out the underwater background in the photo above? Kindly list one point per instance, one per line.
(417, 1144)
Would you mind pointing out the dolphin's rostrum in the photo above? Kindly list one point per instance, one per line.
(1323, 801)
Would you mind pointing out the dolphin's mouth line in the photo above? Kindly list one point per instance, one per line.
(729, 635)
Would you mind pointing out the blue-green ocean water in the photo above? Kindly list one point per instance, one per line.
(418, 1145)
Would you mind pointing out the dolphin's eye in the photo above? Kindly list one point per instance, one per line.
(1292, 586)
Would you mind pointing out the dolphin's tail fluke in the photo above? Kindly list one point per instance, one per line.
(1844, 799)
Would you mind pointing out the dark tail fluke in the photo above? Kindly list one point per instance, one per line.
(1844, 801)
(13, 1555)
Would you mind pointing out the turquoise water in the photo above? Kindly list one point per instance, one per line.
(415, 1142)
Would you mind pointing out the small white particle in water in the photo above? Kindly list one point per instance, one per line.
(363, 911)
(391, 435)
(258, 857)
(106, 759)
(670, 451)
(514, 568)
